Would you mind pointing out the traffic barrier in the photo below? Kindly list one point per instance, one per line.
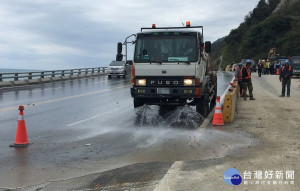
(277, 71)
(21, 139)
(26, 78)
(218, 117)
(233, 84)
(229, 105)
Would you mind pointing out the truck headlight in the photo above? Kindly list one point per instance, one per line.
(188, 82)
(141, 82)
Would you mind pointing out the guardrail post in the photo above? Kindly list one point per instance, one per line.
(0, 77)
(16, 77)
(98, 70)
(42, 74)
(63, 73)
(71, 74)
(29, 76)
(93, 71)
(53, 74)
(86, 71)
(79, 72)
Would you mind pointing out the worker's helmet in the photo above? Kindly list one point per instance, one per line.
(287, 61)
(248, 61)
(240, 64)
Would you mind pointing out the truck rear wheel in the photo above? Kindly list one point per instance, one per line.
(202, 106)
(137, 102)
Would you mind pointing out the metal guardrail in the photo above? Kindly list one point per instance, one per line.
(50, 73)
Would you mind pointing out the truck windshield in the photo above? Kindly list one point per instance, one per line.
(166, 48)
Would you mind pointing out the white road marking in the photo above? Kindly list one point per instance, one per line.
(90, 118)
(61, 99)
(168, 181)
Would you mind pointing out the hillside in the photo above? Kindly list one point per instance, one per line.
(272, 24)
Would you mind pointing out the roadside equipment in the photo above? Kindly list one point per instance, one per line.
(218, 116)
(21, 139)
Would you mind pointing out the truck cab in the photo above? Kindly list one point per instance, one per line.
(171, 67)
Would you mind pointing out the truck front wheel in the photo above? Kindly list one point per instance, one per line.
(137, 102)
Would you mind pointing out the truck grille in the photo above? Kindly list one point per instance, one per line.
(165, 82)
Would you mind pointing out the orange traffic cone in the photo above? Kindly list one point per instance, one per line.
(21, 135)
(218, 116)
(277, 71)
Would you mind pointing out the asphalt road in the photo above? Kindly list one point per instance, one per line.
(85, 126)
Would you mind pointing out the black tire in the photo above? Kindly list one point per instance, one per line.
(118, 76)
(109, 76)
(137, 102)
(214, 100)
(202, 106)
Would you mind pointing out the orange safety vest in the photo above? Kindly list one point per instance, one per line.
(249, 74)
(290, 68)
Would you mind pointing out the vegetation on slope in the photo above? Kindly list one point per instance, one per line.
(262, 29)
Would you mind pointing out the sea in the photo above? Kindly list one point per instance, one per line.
(5, 72)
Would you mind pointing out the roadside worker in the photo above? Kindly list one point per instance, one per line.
(268, 66)
(246, 78)
(285, 77)
(238, 77)
(259, 68)
(272, 68)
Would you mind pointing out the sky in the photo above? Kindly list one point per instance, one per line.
(66, 34)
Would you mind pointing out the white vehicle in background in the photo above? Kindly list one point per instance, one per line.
(117, 68)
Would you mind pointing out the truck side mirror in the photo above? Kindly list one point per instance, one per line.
(119, 57)
(120, 47)
(208, 46)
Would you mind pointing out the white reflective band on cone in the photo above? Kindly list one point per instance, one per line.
(21, 117)
(218, 111)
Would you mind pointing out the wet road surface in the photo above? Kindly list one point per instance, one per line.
(85, 126)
